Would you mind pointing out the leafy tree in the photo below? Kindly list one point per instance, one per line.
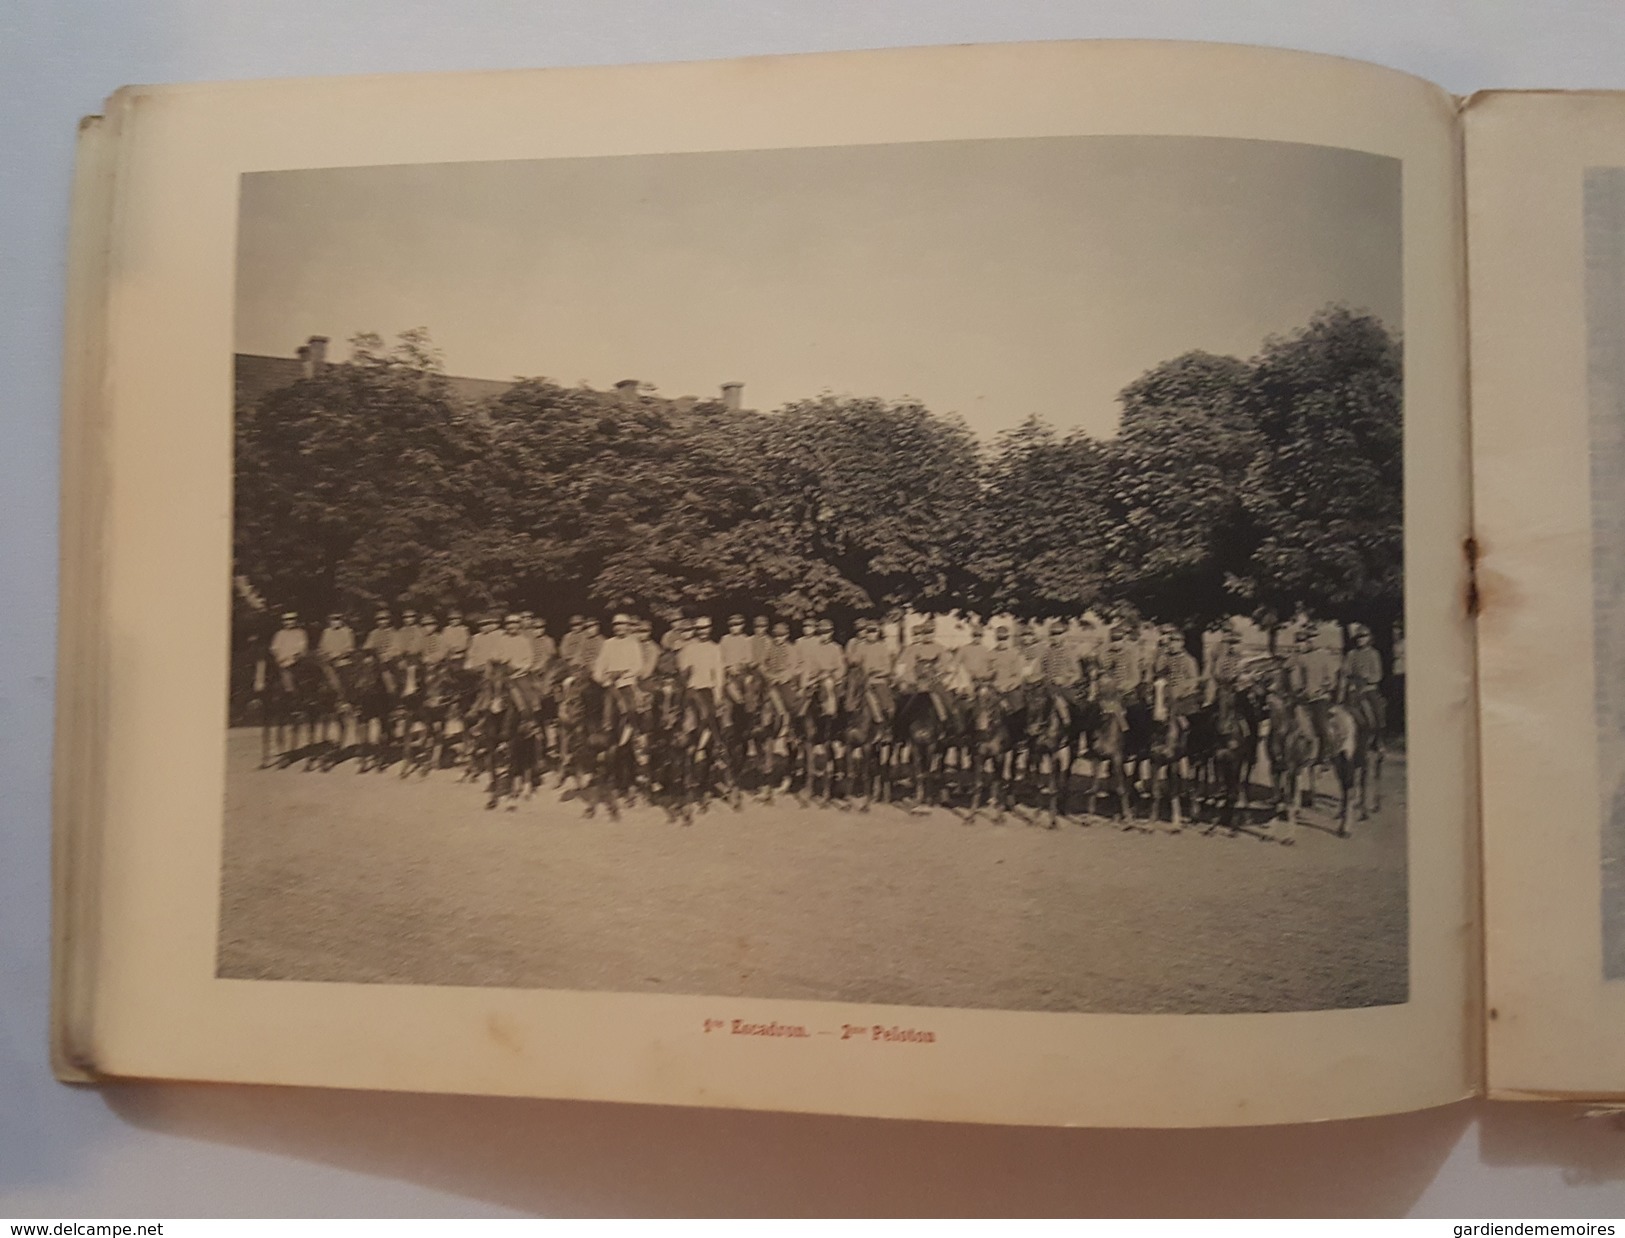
(607, 499)
(1177, 531)
(351, 486)
(1042, 535)
(1263, 485)
(1327, 490)
(862, 503)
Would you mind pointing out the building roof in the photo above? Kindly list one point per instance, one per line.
(258, 375)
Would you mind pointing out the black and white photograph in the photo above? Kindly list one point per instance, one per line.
(956, 574)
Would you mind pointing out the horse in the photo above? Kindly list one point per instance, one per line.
(1167, 754)
(1291, 746)
(1354, 738)
(821, 724)
(669, 738)
(461, 688)
(324, 708)
(744, 691)
(1223, 740)
(368, 688)
(587, 739)
(544, 692)
(777, 733)
(502, 720)
(705, 752)
(278, 696)
(990, 745)
(625, 759)
(868, 714)
(406, 706)
(425, 709)
(1051, 735)
(923, 720)
(1117, 733)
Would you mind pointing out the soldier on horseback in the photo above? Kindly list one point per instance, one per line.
(699, 662)
(737, 649)
(433, 649)
(1313, 672)
(823, 667)
(336, 642)
(506, 644)
(923, 667)
(455, 636)
(781, 667)
(1360, 683)
(1359, 725)
(290, 643)
(502, 657)
(761, 637)
(274, 684)
(1178, 680)
(974, 657)
(1005, 667)
(571, 643)
(1227, 665)
(704, 677)
(643, 631)
(868, 651)
(382, 640)
(1121, 671)
(543, 649)
(1060, 670)
(409, 636)
(474, 658)
(819, 655)
(618, 667)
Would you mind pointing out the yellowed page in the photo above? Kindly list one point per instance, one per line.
(160, 1008)
(1544, 222)
(79, 812)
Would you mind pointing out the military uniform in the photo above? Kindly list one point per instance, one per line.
(1120, 674)
(781, 667)
(923, 667)
(542, 650)
(454, 638)
(1181, 684)
(618, 666)
(288, 645)
(382, 642)
(1362, 685)
(336, 642)
(1313, 675)
(409, 641)
(875, 662)
(738, 651)
(976, 660)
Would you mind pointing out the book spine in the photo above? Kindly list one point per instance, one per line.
(78, 802)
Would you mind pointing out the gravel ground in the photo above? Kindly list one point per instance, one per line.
(368, 878)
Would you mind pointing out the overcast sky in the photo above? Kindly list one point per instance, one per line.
(993, 279)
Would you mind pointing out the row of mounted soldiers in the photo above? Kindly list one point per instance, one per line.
(776, 696)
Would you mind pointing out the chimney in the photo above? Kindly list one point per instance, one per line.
(627, 389)
(318, 354)
(732, 395)
(303, 353)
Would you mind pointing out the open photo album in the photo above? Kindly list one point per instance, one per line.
(1072, 583)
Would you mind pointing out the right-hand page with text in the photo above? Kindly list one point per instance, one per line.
(1546, 236)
